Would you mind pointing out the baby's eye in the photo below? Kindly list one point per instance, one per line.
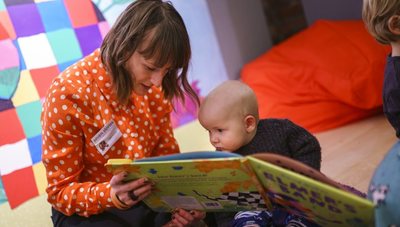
(220, 130)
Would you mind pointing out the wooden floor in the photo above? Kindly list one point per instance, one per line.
(351, 153)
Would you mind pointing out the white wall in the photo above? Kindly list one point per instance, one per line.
(225, 34)
(241, 30)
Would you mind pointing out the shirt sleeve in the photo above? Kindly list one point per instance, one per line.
(303, 145)
(62, 154)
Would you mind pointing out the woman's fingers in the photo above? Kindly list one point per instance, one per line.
(131, 192)
(117, 179)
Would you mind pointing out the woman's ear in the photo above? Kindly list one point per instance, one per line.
(394, 24)
(250, 123)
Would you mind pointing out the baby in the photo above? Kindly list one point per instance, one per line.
(230, 114)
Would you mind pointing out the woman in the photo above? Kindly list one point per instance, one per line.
(115, 103)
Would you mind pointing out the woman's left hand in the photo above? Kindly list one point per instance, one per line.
(184, 218)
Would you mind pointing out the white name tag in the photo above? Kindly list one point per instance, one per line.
(106, 137)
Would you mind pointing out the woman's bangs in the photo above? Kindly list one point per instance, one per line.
(165, 47)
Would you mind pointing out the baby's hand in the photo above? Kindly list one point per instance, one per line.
(184, 218)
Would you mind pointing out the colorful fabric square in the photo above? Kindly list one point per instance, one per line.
(22, 64)
(104, 28)
(81, 12)
(3, 32)
(9, 68)
(26, 91)
(20, 186)
(65, 65)
(17, 2)
(14, 157)
(40, 177)
(36, 51)
(35, 144)
(2, 6)
(65, 45)
(3, 197)
(9, 120)
(26, 19)
(42, 78)
(5, 21)
(29, 115)
(45, 38)
(54, 15)
(384, 189)
(5, 104)
(89, 38)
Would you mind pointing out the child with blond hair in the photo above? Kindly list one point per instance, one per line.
(382, 19)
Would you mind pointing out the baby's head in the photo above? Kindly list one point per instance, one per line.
(382, 18)
(230, 114)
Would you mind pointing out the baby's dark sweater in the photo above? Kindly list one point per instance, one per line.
(281, 136)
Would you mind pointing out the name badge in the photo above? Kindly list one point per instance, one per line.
(106, 137)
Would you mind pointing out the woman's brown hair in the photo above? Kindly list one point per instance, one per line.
(376, 15)
(169, 45)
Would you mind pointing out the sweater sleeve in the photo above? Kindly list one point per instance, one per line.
(62, 155)
(303, 146)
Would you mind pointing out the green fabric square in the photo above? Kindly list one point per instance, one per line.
(3, 197)
(65, 45)
(29, 115)
(2, 6)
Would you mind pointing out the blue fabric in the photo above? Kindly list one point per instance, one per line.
(279, 218)
(252, 218)
(391, 92)
(384, 189)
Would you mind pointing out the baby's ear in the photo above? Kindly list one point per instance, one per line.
(250, 123)
(394, 24)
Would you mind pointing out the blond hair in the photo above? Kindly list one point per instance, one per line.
(376, 15)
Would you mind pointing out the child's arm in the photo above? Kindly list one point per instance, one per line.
(303, 145)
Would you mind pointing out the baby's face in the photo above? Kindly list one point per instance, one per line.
(226, 134)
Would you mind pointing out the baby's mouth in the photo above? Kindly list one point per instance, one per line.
(218, 148)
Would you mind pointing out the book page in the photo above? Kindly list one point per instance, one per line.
(303, 196)
(218, 184)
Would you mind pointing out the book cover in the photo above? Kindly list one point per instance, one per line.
(221, 181)
(312, 199)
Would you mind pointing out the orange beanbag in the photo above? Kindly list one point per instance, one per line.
(326, 76)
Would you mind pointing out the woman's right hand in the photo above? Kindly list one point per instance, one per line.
(132, 192)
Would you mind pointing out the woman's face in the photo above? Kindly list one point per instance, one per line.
(143, 71)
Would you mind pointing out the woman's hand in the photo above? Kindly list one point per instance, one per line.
(184, 218)
(129, 193)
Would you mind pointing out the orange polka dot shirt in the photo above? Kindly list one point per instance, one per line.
(79, 103)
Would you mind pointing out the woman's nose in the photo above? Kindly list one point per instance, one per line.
(156, 78)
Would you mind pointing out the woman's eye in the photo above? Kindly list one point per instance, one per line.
(150, 68)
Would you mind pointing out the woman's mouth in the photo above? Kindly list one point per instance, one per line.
(146, 87)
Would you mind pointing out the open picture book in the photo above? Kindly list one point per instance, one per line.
(222, 182)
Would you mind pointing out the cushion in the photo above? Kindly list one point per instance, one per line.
(326, 76)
